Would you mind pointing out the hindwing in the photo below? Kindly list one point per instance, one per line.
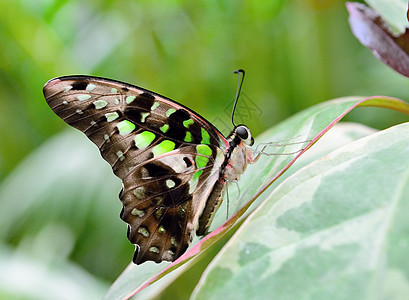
(168, 157)
(163, 199)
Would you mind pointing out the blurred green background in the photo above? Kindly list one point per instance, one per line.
(296, 53)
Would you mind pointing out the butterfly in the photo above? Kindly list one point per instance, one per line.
(174, 165)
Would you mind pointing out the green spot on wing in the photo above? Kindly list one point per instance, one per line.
(164, 128)
(205, 137)
(164, 147)
(204, 150)
(159, 212)
(143, 231)
(174, 241)
(201, 161)
(144, 139)
(188, 137)
(170, 111)
(197, 174)
(137, 212)
(155, 106)
(129, 99)
(125, 127)
(114, 90)
(187, 123)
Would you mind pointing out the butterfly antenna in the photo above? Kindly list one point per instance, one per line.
(239, 84)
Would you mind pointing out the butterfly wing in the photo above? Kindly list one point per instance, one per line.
(170, 198)
(168, 157)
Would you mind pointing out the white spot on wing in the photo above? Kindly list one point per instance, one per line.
(67, 88)
(143, 231)
(176, 163)
(193, 185)
(154, 249)
(120, 155)
(90, 87)
(99, 104)
(170, 183)
(111, 116)
(144, 115)
(139, 192)
(83, 97)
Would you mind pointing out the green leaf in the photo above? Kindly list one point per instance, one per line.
(307, 126)
(60, 191)
(65, 183)
(26, 277)
(335, 229)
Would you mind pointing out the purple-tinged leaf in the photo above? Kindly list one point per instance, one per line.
(371, 30)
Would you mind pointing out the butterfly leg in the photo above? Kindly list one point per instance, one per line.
(255, 158)
(263, 146)
(228, 199)
(278, 144)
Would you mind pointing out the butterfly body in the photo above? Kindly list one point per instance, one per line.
(173, 164)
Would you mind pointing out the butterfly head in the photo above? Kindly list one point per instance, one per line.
(241, 133)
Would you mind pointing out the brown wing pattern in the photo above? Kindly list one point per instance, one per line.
(162, 203)
(168, 157)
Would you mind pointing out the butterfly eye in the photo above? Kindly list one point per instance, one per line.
(244, 134)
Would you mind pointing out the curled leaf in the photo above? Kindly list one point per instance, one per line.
(372, 31)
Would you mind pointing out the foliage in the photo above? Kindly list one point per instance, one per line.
(58, 199)
(328, 210)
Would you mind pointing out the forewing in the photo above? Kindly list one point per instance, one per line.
(119, 118)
